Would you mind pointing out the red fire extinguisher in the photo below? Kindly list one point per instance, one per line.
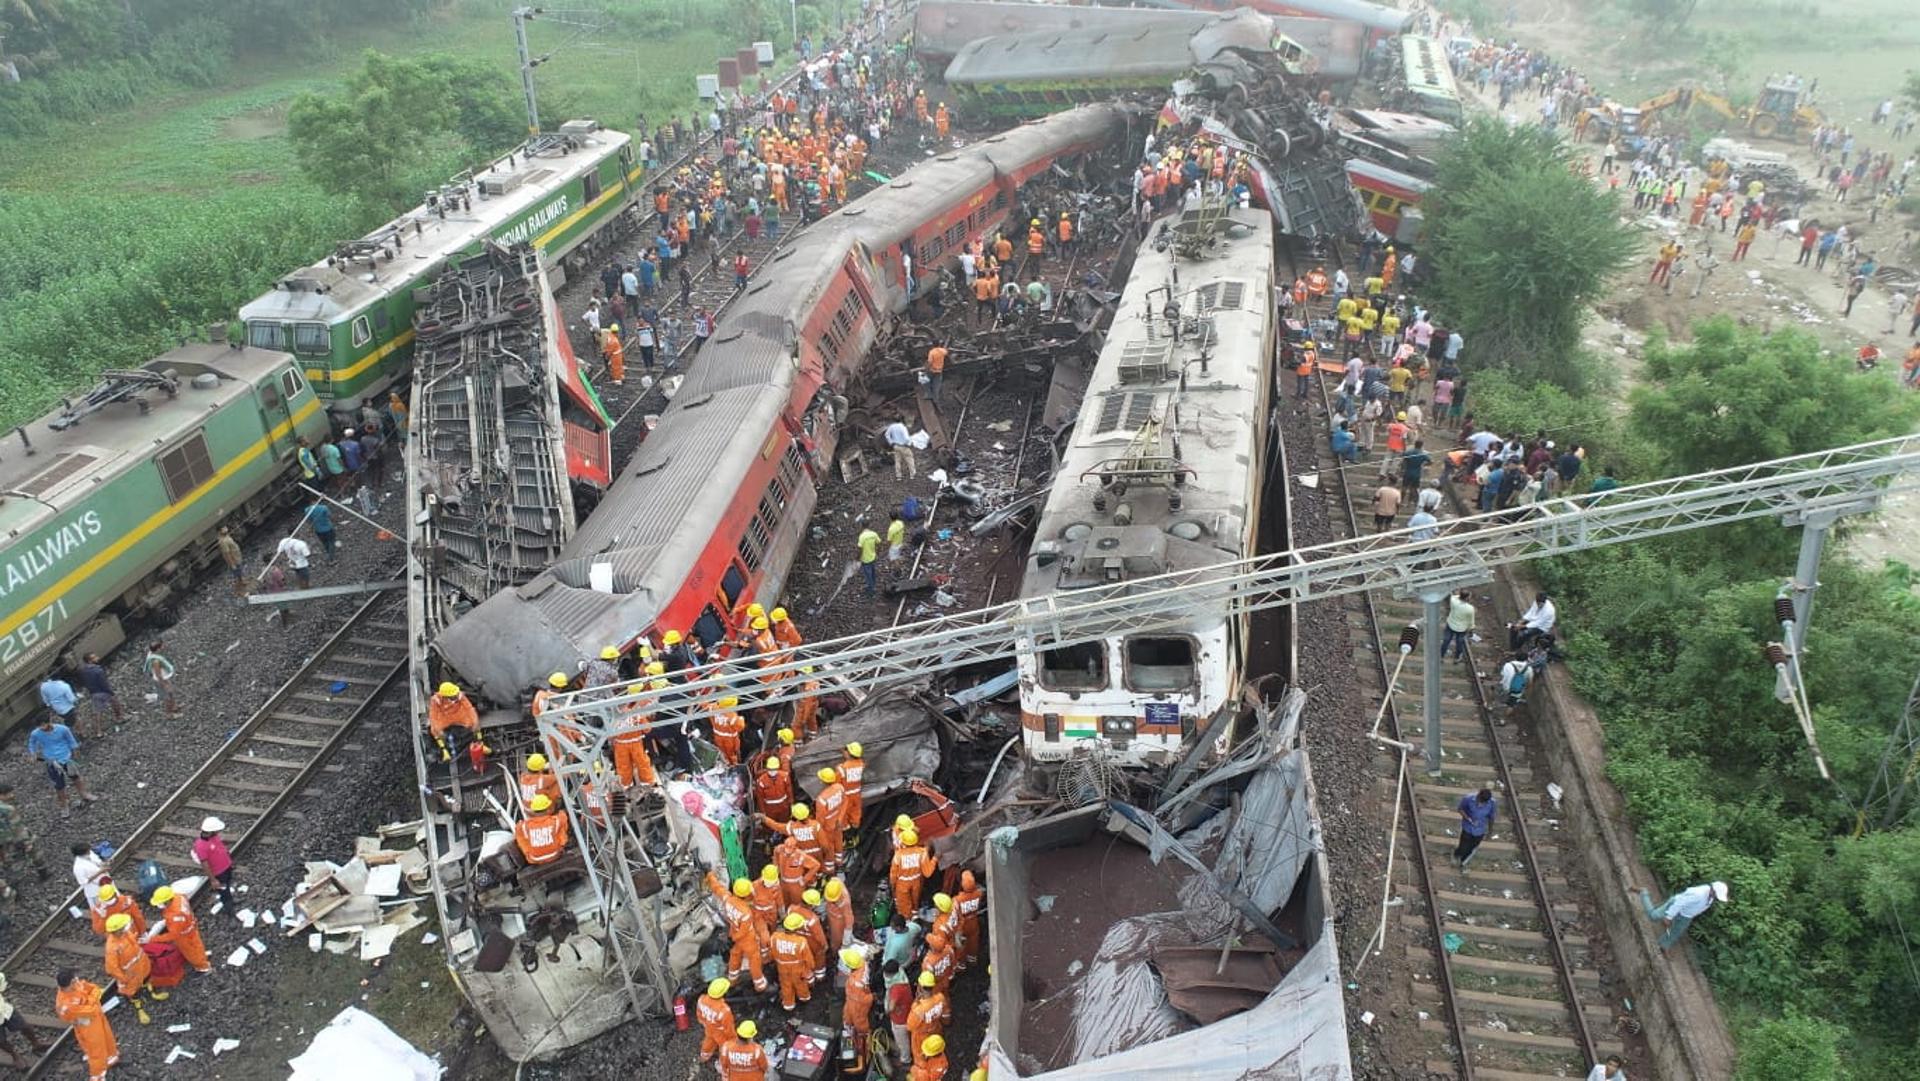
(477, 754)
(682, 1019)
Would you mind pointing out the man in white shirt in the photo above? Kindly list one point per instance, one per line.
(1614, 1069)
(900, 441)
(1424, 525)
(1682, 909)
(298, 556)
(1535, 622)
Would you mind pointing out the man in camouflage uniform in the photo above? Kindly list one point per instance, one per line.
(16, 844)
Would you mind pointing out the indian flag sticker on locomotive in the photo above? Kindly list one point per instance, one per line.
(1080, 727)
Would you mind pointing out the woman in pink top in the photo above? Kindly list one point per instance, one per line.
(210, 852)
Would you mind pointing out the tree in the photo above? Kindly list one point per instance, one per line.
(395, 115)
(1669, 12)
(1521, 245)
(1910, 90)
(1734, 395)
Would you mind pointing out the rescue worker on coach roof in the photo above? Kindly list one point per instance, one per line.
(452, 721)
(542, 834)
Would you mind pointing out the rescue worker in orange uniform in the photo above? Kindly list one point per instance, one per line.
(767, 899)
(946, 921)
(1318, 283)
(616, 354)
(793, 957)
(930, 1060)
(852, 768)
(839, 906)
(451, 721)
(129, 965)
(630, 759)
(806, 709)
(747, 933)
(556, 685)
(538, 780)
(856, 1010)
(1064, 231)
(767, 648)
(802, 830)
(728, 728)
(942, 123)
(1002, 247)
(971, 902)
(928, 1016)
(773, 790)
(797, 871)
(542, 834)
(715, 1017)
(77, 1002)
(1036, 241)
(740, 1058)
(784, 631)
(114, 903)
(912, 866)
(180, 928)
(816, 932)
(940, 960)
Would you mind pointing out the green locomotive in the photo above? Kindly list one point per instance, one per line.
(114, 500)
(349, 317)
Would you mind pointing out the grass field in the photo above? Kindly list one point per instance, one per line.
(173, 214)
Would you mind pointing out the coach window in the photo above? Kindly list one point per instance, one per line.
(1074, 668)
(1159, 664)
(362, 332)
(186, 467)
(311, 338)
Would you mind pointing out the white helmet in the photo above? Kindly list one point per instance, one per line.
(210, 824)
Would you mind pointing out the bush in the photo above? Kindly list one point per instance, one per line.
(1790, 1049)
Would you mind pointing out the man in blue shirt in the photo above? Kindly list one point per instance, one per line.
(54, 745)
(1476, 817)
(1343, 444)
(57, 695)
(322, 518)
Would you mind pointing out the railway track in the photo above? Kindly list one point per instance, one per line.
(1496, 956)
(248, 783)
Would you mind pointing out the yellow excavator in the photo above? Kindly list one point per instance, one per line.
(1781, 111)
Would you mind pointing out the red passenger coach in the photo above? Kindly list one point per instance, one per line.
(1386, 193)
(715, 504)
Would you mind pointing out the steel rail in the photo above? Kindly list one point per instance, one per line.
(206, 777)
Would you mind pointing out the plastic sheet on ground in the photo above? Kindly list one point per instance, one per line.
(356, 1046)
(896, 740)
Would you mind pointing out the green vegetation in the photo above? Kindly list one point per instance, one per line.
(1523, 246)
(143, 197)
(397, 115)
(1814, 958)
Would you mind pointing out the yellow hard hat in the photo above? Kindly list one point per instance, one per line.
(773, 765)
(656, 668)
(807, 668)
(162, 895)
(118, 922)
(786, 736)
(802, 812)
(1035, 221)
(1400, 416)
(835, 889)
(742, 888)
(779, 615)
(558, 679)
(943, 902)
(828, 775)
(656, 685)
(769, 873)
(719, 988)
(853, 958)
(728, 702)
(811, 897)
(902, 821)
(854, 750)
(793, 922)
(672, 638)
(449, 690)
(933, 1044)
(541, 802)
(609, 653)
(909, 837)
(755, 611)
(979, 1074)
(759, 623)
(746, 1030)
(927, 979)
(536, 762)
(108, 891)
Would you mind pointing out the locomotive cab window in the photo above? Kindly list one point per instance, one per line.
(1159, 664)
(266, 336)
(590, 185)
(290, 382)
(186, 467)
(362, 332)
(311, 338)
(1074, 668)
